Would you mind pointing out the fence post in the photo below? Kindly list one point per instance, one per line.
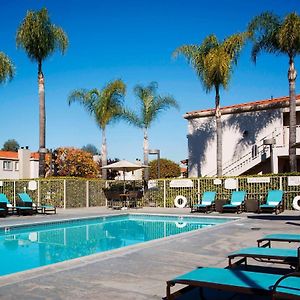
(87, 194)
(165, 197)
(65, 194)
(198, 191)
(15, 193)
(39, 193)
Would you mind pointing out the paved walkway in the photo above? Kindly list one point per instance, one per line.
(139, 271)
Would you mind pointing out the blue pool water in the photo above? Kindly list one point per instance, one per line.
(24, 248)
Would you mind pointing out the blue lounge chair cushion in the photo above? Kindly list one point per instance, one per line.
(207, 199)
(231, 205)
(267, 206)
(290, 286)
(23, 207)
(274, 197)
(4, 199)
(25, 197)
(2, 208)
(200, 205)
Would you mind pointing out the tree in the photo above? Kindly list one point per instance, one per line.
(11, 145)
(168, 168)
(213, 62)
(72, 162)
(6, 68)
(105, 106)
(272, 34)
(91, 149)
(151, 104)
(40, 38)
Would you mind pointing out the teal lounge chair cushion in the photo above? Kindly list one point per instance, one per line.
(267, 252)
(282, 236)
(274, 197)
(200, 205)
(231, 205)
(237, 197)
(267, 206)
(230, 277)
(25, 197)
(208, 198)
(4, 199)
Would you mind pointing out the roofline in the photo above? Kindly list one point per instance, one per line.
(281, 102)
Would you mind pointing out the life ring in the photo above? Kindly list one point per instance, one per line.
(296, 203)
(180, 224)
(180, 201)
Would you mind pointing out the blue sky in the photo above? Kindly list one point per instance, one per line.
(132, 40)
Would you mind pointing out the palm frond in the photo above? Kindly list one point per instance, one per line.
(83, 97)
(60, 38)
(7, 69)
(132, 118)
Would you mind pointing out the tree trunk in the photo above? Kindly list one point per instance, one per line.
(104, 154)
(146, 154)
(292, 74)
(219, 133)
(42, 121)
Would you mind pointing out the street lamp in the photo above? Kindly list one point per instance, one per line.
(156, 152)
(270, 142)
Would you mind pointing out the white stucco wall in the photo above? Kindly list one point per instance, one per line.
(240, 132)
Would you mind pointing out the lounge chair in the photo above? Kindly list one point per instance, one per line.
(44, 209)
(236, 202)
(3, 207)
(25, 204)
(269, 255)
(10, 208)
(273, 202)
(237, 281)
(207, 203)
(278, 237)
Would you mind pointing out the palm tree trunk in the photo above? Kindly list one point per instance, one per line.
(42, 121)
(292, 74)
(146, 153)
(219, 133)
(104, 154)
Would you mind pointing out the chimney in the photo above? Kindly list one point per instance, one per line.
(24, 162)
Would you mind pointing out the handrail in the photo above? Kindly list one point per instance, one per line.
(248, 156)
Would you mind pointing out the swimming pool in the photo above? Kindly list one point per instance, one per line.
(27, 247)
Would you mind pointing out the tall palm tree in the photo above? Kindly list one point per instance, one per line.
(105, 106)
(6, 68)
(272, 34)
(151, 104)
(213, 62)
(40, 38)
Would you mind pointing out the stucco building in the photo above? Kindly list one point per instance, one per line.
(19, 165)
(247, 128)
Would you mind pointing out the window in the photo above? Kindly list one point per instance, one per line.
(7, 165)
(16, 166)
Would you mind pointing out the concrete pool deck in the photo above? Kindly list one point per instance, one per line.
(139, 271)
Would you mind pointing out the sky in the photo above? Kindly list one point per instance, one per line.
(132, 40)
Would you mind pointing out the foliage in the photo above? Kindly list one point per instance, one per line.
(7, 69)
(73, 162)
(91, 149)
(104, 105)
(111, 174)
(271, 34)
(150, 105)
(39, 37)
(11, 145)
(213, 60)
(168, 169)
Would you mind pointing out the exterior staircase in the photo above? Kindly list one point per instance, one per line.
(259, 153)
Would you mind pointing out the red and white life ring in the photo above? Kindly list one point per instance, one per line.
(180, 201)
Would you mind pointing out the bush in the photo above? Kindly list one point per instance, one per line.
(168, 169)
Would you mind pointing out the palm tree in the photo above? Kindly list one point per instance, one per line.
(105, 106)
(151, 104)
(213, 62)
(40, 38)
(272, 34)
(6, 68)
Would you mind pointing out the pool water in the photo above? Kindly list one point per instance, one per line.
(28, 247)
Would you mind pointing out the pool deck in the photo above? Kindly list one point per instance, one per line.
(140, 271)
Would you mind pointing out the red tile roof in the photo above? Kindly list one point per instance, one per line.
(14, 155)
(248, 106)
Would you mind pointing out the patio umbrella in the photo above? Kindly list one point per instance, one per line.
(124, 166)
